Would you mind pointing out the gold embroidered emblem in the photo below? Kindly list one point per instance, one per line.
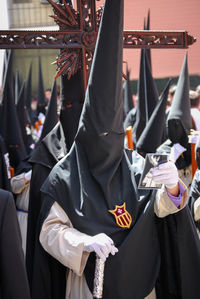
(122, 216)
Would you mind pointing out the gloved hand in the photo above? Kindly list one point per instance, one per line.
(166, 173)
(101, 244)
(41, 117)
(28, 175)
(176, 151)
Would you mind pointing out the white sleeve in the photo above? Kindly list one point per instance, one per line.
(197, 209)
(164, 206)
(18, 184)
(62, 241)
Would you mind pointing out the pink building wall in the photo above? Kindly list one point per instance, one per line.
(164, 15)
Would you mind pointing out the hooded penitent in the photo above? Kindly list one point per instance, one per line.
(28, 98)
(28, 93)
(51, 149)
(179, 119)
(152, 136)
(128, 100)
(129, 109)
(147, 96)
(51, 117)
(41, 103)
(13, 272)
(197, 152)
(17, 86)
(195, 186)
(4, 166)
(147, 27)
(72, 98)
(7, 73)
(96, 180)
(48, 151)
(10, 124)
(24, 121)
(96, 176)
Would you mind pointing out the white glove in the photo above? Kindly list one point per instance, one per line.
(176, 151)
(28, 175)
(166, 173)
(101, 244)
(41, 117)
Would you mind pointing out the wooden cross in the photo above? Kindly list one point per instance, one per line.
(77, 37)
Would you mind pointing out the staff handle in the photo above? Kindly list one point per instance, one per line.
(98, 278)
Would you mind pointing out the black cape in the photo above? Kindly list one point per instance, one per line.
(180, 257)
(14, 282)
(194, 194)
(46, 154)
(163, 252)
(138, 246)
(4, 166)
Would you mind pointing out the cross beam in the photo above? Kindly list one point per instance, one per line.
(77, 37)
(24, 39)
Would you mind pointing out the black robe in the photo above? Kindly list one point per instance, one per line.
(163, 252)
(46, 154)
(194, 194)
(180, 257)
(4, 166)
(138, 255)
(13, 277)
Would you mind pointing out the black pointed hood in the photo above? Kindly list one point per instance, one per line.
(96, 175)
(28, 96)
(128, 100)
(28, 93)
(7, 83)
(12, 133)
(101, 130)
(4, 166)
(17, 86)
(7, 69)
(51, 117)
(197, 152)
(72, 98)
(1, 114)
(151, 137)
(22, 113)
(7, 72)
(148, 21)
(41, 103)
(24, 120)
(179, 118)
(147, 27)
(147, 96)
(95, 158)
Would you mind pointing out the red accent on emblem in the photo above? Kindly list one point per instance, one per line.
(122, 216)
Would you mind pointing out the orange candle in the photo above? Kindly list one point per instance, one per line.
(129, 137)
